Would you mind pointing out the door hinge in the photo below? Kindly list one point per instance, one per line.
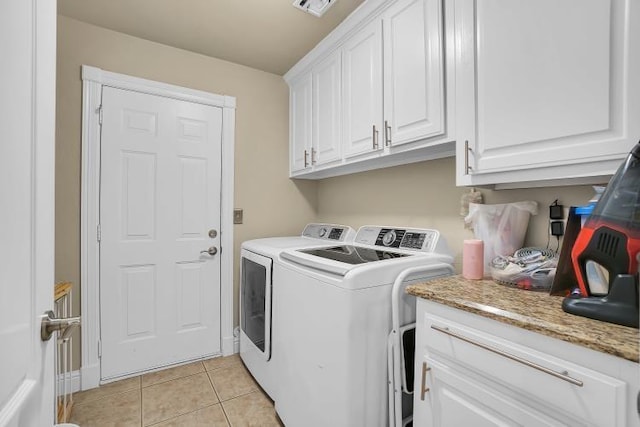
(100, 114)
(99, 348)
(99, 232)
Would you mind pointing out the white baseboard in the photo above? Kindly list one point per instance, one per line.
(72, 386)
(89, 376)
(230, 345)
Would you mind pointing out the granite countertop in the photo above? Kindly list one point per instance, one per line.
(535, 311)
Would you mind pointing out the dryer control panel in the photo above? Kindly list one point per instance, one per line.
(413, 239)
(332, 232)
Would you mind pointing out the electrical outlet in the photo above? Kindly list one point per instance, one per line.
(237, 216)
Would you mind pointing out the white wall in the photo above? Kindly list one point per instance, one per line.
(424, 195)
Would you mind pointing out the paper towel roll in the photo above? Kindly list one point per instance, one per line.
(473, 259)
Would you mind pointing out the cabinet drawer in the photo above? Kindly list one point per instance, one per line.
(536, 377)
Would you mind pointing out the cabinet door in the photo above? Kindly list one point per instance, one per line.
(413, 71)
(300, 123)
(454, 399)
(327, 110)
(543, 91)
(362, 80)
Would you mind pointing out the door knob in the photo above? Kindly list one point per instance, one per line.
(50, 324)
(211, 251)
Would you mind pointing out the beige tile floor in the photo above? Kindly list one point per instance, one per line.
(215, 392)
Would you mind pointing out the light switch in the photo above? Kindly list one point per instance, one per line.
(237, 216)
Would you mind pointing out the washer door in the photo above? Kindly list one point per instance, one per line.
(255, 300)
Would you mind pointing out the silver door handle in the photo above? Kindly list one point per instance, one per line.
(387, 133)
(50, 324)
(375, 138)
(562, 375)
(424, 389)
(211, 251)
(467, 167)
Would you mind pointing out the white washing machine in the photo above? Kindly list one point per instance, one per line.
(258, 279)
(333, 313)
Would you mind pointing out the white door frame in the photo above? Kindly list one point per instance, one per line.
(93, 79)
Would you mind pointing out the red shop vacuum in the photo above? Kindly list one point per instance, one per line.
(606, 253)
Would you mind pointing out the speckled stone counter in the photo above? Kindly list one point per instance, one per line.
(535, 311)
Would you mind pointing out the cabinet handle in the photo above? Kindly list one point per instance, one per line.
(306, 158)
(467, 168)
(313, 156)
(375, 138)
(562, 375)
(387, 134)
(423, 388)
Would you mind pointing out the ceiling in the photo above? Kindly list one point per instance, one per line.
(270, 35)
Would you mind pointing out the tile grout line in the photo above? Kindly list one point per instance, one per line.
(219, 400)
(182, 415)
(173, 379)
(104, 397)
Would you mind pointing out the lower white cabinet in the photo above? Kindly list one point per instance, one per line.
(474, 371)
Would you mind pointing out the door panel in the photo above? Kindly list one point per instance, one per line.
(300, 123)
(160, 195)
(189, 303)
(255, 301)
(138, 196)
(27, 131)
(327, 110)
(362, 82)
(413, 64)
(138, 288)
(542, 89)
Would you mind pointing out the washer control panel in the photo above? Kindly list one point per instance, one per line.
(333, 232)
(423, 240)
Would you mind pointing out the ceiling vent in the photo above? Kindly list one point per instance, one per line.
(314, 7)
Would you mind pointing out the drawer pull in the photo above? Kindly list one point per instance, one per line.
(423, 388)
(561, 375)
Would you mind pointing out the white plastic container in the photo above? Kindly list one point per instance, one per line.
(502, 227)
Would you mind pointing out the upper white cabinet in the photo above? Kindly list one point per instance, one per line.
(390, 88)
(413, 72)
(300, 129)
(544, 89)
(362, 101)
(327, 111)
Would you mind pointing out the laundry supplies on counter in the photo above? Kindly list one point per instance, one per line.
(502, 227)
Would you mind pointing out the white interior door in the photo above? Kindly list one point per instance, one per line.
(159, 210)
(27, 131)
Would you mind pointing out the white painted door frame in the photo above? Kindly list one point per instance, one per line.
(93, 79)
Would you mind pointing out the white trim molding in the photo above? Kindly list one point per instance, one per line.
(73, 385)
(93, 79)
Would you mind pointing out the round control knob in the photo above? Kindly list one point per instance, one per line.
(322, 232)
(389, 238)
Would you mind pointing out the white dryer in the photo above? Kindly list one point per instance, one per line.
(333, 313)
(258, 278)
